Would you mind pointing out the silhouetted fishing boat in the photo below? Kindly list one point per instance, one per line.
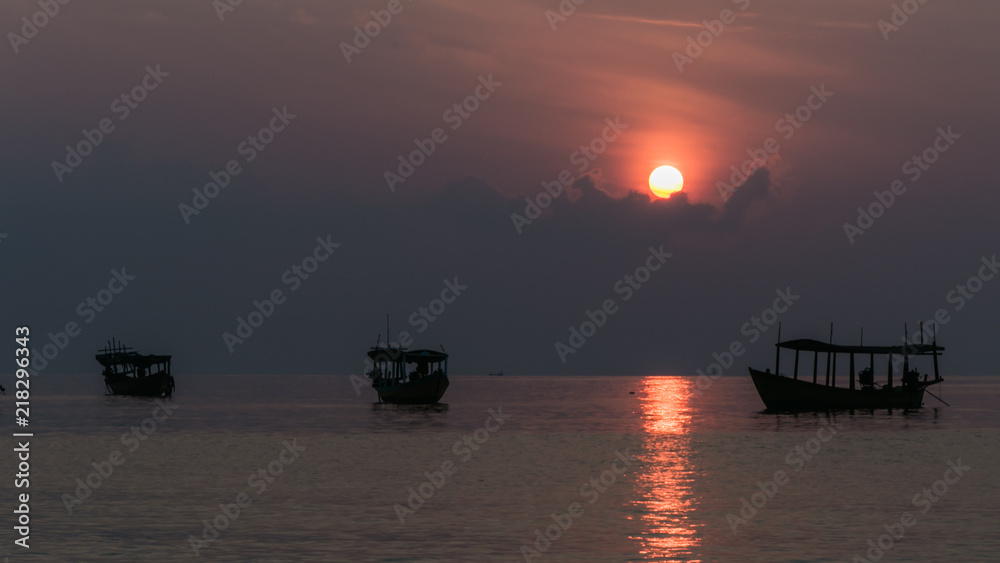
(780, 392)
(126, 372)
(408, 377)
(496, 373)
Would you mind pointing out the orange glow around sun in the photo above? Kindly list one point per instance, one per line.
(665, 181)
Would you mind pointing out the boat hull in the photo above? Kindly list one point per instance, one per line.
(156, 385)
(424, 391)
(781, 393)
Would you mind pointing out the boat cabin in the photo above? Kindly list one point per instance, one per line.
(865, 378)
(392, 366)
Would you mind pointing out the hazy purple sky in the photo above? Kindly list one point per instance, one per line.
(890, 92)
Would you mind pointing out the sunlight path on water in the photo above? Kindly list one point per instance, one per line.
(663, 486)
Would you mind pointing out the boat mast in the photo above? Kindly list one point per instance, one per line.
(889, 384)
(906, 351)
(828, 357)
(936, 376)
(921, 336)
(390, 370)
(833, 370)
(777, 351)
(852, 371)
(815, 364)
(852, 357)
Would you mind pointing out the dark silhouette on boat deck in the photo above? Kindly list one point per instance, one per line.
(126, 372)
(782, 393)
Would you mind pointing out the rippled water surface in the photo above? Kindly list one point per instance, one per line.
(610, 468)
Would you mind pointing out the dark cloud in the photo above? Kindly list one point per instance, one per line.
(753, 190)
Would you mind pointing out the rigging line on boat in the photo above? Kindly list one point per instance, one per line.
(936, 397)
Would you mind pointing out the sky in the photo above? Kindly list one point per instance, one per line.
(177, 164)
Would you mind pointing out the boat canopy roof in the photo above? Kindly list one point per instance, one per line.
(408, 356)
(425, 356)
(809, 345)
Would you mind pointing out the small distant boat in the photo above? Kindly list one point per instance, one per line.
(408, 377)
(782, 393)
(497, 373)
(126, 372)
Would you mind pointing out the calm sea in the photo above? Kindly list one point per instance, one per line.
(542, 469)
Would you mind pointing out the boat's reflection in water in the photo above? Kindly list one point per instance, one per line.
(663, 485)
(404, 418)
(390, 407)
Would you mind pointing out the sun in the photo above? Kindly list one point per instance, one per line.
(665, 181)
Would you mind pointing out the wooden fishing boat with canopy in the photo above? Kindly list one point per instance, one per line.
(795, 393)
(408, 377)
(126, 372)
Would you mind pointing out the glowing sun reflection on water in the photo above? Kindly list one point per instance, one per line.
(664, 485)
